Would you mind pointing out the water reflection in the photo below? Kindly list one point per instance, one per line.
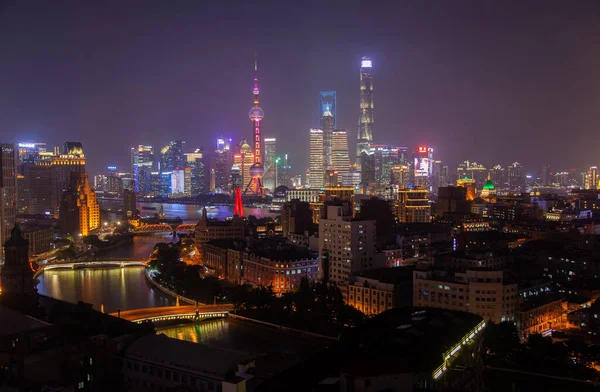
(116, 288)
(245, 336)
(206, 332)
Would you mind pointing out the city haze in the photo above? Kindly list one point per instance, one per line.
(492, 82)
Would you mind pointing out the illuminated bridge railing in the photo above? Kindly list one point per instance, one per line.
(99, 263)
(187, 316)
(154, 228)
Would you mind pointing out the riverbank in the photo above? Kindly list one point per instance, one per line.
(166, 291)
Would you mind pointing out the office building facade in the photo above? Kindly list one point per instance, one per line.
(8, 193)
(316, 176)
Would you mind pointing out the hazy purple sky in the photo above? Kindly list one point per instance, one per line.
(490, 81)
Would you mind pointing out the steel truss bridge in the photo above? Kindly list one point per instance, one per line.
(186, 228)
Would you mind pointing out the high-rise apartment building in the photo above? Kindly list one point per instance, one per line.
(474, 171)
(366, 117)
(346, 245)
(327, 126)
(413, 206)
(340, 158)
(195, 162)
(422, 167)
(172, 156)
(8, 193)
(79, 210)
(514, 175)
(316, 176)
(269, 178)
(498, 176)
(591, 178)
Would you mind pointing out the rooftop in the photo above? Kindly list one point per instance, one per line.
(411, 338)
(14, 322)
(193, 357)
(390, 275)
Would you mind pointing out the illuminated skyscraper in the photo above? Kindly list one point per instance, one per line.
(316, 176)
(367, 168)
(8, 193)
(142, 164)
(221, 165)
(339, 153)
(195, 162)
(269, 179)
(591, 178)
(256, 114)
(497, 176)
(422, 170)
(366, 119)
(171, 156)
(79, 210)
(515, 177)
(328, 103)
(474, 171)
(327, 122)
(244, 160)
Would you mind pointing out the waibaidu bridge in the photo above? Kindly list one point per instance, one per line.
(185, 228)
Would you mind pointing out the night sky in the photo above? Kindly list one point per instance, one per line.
(490, 81)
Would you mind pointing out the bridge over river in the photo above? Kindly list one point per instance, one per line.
(167, 313)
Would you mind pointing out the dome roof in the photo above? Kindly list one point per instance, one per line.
(489, 185)
(245, 148)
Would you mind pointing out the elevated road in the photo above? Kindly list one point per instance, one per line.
(175, 313)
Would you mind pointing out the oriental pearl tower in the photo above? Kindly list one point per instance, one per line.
(256, 114)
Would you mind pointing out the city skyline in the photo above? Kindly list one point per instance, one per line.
(432, 88)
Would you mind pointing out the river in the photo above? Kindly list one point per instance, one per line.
(127, 288)
(115, 288)
(187, 212)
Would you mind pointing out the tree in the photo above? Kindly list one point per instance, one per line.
(501, 340)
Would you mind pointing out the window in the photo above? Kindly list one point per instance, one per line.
(80, 385)
(144, 369)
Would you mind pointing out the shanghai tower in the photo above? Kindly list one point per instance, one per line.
(365, 120)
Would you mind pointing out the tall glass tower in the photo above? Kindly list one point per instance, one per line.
(327, 100)
(365, 120)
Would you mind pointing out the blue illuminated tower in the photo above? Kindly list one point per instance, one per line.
(328, 103)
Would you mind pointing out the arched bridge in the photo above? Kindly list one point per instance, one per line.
(165, 228)
(188, 312)
(94, 264)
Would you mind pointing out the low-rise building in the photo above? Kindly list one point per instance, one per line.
(474, 259)
(224, 257)
(281, 269)
(40, 238)
(156, 362)
(212, 229)
(540, 314)
(378, 290)
(482, 291)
